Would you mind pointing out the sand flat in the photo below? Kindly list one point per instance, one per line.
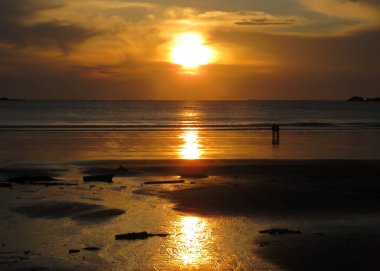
(211, 221)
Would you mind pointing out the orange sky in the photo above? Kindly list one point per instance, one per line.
(259, 49)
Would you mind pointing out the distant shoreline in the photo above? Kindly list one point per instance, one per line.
(362, 99)
(5, 99)
(168, 100)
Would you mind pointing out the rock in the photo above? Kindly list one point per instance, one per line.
(75, 210)
(31, 179)
(121, 169)
(74, 251)
(356, 99)
(91, 248)
(377, 99)
(35, 180)
(194, 175)
(361, 99)
(165, 182)
(263, 243)
(138, 235)
(280, 231)
(54, 184)
(6, 99)
(99, 178)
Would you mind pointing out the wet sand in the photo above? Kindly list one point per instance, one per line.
(61, 146)
(213, 217)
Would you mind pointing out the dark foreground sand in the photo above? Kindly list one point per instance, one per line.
(301, 192)
(335, 204)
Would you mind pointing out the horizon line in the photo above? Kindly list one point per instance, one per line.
(115, 100)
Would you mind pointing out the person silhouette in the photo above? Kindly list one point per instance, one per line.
(278, 134)
(275, 134)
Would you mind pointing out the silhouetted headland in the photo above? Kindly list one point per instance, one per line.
(361, 99)
(6, 99)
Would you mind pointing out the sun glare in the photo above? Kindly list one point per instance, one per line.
(193, 241)
(191, 147)
(189, 51)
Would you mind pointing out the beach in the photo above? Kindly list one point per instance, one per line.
(181, 185)
(213, 218)
(61, 146)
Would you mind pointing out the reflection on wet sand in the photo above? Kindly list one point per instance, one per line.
(191, 149)
(192, 243)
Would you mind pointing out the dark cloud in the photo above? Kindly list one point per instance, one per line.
(266, 21)
(19, 9)
(14, 31)
(46, 81)
(356, 52)
(49, 34)
(309, 67)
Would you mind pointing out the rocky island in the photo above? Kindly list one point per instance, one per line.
(5, 99)
(361, 99)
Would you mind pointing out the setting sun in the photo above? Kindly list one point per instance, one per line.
(189, 51)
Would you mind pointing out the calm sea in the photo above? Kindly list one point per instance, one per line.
(172, 115)
(96, 130)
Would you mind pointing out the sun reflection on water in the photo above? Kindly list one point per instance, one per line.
(191, 149)
(192, 241)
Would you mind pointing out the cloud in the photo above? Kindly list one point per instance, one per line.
(49, 34)
(119, 49)
(19, 9)
(17, 30)
(266, 21)
(242, 18)
(351, 15)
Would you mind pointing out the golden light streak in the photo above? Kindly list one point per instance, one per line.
(193, 242)
(191, 147)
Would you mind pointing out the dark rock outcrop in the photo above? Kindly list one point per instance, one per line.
(91, 248)
(31, 179)
(356, 99)
(280, 231)
(361, 99)
(165, 182)
(194, 175)
(138, 235)
(377, 99)
(99, 178)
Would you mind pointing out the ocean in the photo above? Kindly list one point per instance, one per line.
(174, 115)
(82, 130)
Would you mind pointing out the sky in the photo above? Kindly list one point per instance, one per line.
(261, 49)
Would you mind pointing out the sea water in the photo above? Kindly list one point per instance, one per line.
(91, 130)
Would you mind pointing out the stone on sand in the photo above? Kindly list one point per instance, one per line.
(138, 235)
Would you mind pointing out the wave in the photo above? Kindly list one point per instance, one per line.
(200, 126)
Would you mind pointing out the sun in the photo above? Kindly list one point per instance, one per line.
(189, 51)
